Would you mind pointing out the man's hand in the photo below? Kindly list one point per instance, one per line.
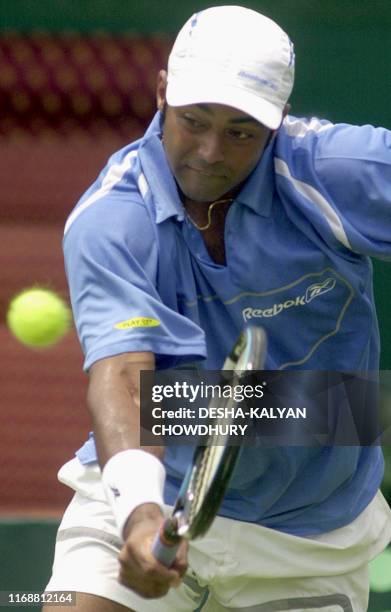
(140, 571)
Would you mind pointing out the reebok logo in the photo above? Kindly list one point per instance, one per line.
(312, 292)
(317, 289)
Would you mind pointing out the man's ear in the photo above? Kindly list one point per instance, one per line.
(286, 111)
(161, 89)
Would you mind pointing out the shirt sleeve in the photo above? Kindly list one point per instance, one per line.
(339, 176)
(355, 169)
(111, 258)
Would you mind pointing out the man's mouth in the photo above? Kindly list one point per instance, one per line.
(204, 172)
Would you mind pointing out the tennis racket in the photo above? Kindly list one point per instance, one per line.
(208, 475)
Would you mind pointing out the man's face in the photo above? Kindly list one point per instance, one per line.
(211, 148)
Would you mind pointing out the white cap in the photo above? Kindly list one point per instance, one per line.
(234, 56)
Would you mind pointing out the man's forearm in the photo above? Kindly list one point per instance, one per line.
(114, 404)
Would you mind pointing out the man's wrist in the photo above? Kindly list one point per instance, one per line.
(142, 514)
(133, 478)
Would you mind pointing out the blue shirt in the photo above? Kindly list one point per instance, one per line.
(298, 239)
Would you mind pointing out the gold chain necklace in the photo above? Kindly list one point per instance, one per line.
(202, 228)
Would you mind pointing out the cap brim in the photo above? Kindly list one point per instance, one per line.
(194, 93)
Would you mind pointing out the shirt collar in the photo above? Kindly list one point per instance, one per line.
(257, 192)
(158, 174)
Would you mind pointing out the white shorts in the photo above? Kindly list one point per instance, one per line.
(236, 567)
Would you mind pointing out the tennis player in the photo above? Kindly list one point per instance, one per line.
(228, 211)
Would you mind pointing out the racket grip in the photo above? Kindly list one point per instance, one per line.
(166, 543)
(163, 552)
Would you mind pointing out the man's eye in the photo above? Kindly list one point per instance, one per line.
(192, 122)
(239, 135)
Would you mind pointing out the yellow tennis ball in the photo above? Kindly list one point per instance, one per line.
(38, 317)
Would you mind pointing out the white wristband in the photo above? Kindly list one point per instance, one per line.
(131, 478)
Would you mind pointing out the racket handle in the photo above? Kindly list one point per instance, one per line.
(164, 553)
(166, 543)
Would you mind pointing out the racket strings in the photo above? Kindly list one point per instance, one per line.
(208, 466)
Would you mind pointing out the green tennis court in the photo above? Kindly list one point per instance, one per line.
(380, 575)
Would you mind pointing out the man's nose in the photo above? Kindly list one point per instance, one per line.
(210, 148)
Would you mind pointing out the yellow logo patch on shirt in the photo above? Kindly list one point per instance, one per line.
(137, 322)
